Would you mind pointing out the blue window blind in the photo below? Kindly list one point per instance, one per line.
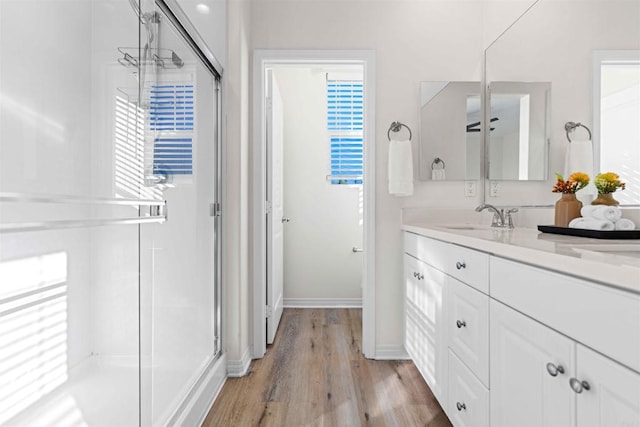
(172, 116)
(344, 123)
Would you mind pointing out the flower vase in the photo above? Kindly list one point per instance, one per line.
(567, 208)
(605, 199)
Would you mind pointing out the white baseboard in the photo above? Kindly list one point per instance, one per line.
(391, 352)
(196, 406)
(323, 302)
(239, 368)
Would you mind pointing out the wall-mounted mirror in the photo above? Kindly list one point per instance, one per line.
(519, 131)
(450, 142)
(557, 41)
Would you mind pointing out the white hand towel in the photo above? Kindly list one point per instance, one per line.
(400, 168)
(438, 175)
(625, 224)
(591, 224)
(579, 158)
(609, 213)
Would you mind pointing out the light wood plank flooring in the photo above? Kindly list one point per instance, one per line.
(315, 375)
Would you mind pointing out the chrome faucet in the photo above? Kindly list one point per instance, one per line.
(501, 218)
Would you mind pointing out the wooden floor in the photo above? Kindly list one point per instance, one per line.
(315, 375)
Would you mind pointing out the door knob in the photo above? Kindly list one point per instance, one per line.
(285, 219)
(461, 324)
(461, 265)
(461, 406)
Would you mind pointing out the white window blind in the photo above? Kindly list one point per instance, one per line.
(172, 116)
(344, 123)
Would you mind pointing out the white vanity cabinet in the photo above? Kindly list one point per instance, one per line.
(446, 324)
(502, 343)
(543, 374)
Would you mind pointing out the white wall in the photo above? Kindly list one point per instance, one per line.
(326, 220)
(414, 41)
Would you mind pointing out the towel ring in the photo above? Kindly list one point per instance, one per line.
(396, 126)
(436, 161)
(571, 126)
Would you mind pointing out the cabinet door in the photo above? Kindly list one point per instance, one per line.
(523, 391)
(424, 326)
(468, 402)
(468, 327)
(613, 397)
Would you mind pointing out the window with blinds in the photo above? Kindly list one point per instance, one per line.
(172, 116)
(344, 123)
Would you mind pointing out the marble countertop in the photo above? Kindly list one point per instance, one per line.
(611, 262)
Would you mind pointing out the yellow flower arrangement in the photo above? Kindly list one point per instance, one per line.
(608, 183)
(577, 181)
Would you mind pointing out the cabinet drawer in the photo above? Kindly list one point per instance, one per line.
(466, 265)
(468, 327)
(601, 317)
(468, 400)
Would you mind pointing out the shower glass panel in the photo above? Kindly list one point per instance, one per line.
(109, 311)
(69, 161)
(179, 326)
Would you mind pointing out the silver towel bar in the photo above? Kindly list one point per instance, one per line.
(396, 126)
(77, 200)
(62, 224)
(571, 126)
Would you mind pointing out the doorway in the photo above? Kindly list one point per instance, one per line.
(269, 222)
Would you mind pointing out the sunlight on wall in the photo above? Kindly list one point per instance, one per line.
(129, 152)
(33, 330)
(33, 118)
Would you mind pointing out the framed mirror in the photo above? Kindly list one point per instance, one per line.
(450, 141)
(519, 131)
(560, 42)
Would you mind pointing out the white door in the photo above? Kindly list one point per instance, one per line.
(530, 369)
(613, 395)
(275, 217)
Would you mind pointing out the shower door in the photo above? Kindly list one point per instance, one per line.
(179, 271)
(109, 271)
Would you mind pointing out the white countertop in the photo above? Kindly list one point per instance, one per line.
(610, 262)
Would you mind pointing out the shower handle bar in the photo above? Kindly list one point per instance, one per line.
(62, 224)
(64, 199)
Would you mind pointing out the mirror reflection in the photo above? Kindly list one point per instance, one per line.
(518, 138)
(588, 51)
(450, 142)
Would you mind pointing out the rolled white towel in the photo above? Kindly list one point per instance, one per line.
(625, 224)
(609, 213)
(592, 224)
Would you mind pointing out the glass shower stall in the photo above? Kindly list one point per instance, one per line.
(109, 213)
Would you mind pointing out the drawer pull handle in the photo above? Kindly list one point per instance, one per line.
(461, 406)
(578, 386)
(461, 324)
(415, 274)
(554, 370)
(420, 276)
(460, 265)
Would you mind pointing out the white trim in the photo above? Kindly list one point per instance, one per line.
(323, 302)
(239, 368)
(195, 408)
(261, 59)
(391, 352)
